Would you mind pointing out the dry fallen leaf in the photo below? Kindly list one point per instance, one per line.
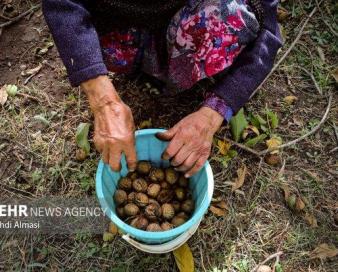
(324, 251)
(43, 50)
(250, 130)
(283, 32)
(311, 220)
(222, 204)
(286, 191)
(217, 211)
(321, 53)
(184, 259)
(113, 228)
(108, 237)
(241, 173)
(3, 95)
(300, 205)
(282, 14)
(334, 73)
(32, 71)
(264, 268)
(274, 143)
(290, 99)
(223, 147)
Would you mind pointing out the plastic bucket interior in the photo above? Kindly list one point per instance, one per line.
(148, 147)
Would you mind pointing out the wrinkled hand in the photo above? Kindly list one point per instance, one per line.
(191, 140)
(113, 123)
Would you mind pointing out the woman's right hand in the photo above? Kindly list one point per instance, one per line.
(113, 123)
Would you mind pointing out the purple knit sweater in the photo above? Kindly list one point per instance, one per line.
(78, 44)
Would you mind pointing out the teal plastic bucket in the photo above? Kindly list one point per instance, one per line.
(148, 147)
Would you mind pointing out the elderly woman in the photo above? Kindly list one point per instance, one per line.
(179, 42)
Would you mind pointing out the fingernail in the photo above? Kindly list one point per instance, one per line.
(132, 170)
(165, 157)
(186, 175)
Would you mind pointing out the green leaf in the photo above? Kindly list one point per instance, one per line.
(82, 137)
(258, 139)
(254, 120)
(260, 119)
(273, 118)
(232, 153)
(237, 124)
(264, 128)
(278, 267)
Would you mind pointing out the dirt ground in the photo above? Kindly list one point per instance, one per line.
(37, 155)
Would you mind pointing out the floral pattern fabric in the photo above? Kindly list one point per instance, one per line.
(202, 40)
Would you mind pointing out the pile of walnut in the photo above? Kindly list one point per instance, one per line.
(154, 199)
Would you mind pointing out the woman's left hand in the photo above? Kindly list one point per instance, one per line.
(191, 140)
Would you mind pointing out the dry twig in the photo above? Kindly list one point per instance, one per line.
(322, 121)
(287, 52)
(275, 255)
(319, 90)
(241, 146)
(288, 144)
(325, 22)
(17, 18)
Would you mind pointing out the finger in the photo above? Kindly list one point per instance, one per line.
(115, 159)
(188, 163)
(167, 135)
(131, 156)
(174, 146)
(198, 165)
(105, 155)
(98, 144)
(181, 155)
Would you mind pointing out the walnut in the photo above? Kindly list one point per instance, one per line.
(153, 201)
(140, 222)
(188, 206)
(141, 200)
(125, 183)
(131, 209)
(177, 221)
(165, 185)
(272, 159)
(140, 185)
(132, 175)
(176, 206)
(180, 193)
(120, 197)
(183, 181)
(171, 176)
(120, 212)
(143, 167)
(165, 196)
(154, 227)
(131, 197)
(168, 211)
(153, 212)
(167, 226)
(153, 190)
(156, 175)
(183, 215)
